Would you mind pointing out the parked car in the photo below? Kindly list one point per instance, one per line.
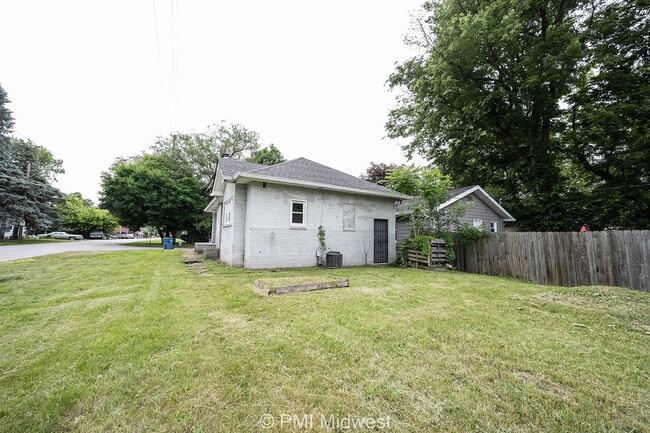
(97, 235)
(60, 235)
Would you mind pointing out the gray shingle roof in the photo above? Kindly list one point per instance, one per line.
(305, 170)
(301, 170)
(230, 167)
(458, 191)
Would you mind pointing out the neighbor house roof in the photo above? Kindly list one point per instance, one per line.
(458, 191)
(302, 172)
(454, 195)
(458, 194)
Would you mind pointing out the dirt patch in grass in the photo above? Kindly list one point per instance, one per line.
(543, 384)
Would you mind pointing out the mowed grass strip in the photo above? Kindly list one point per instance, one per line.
(132, 341)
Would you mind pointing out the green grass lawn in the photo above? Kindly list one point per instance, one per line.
(135, 341)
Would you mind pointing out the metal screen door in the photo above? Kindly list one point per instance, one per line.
(381, 241)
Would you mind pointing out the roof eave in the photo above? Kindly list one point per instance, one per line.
(212, 206)
(294, 182)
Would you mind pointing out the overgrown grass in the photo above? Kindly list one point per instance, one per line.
(132, 341)
(4, 242)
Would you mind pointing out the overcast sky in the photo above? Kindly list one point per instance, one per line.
(93, 80)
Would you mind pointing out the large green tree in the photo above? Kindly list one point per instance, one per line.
(489, 97)
(6, 117)
(233, 139)
(80, 216)
(607, 120)
(196, 153)
(149, 190)
(26, 174)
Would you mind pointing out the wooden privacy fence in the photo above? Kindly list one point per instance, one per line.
(608, 258)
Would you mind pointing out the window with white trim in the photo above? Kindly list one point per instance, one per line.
(298, 216)
(478, 223)
(227, 213)
(494, 226)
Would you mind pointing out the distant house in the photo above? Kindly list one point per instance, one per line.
(485, 212)
(268, 216)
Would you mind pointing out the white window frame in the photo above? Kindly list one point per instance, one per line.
(494, 227)
(227, 213)
(478, 223)
(304, 214)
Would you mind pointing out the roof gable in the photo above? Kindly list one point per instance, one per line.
(454, 195)
(457, 194)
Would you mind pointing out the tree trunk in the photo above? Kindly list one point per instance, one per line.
(17, 233)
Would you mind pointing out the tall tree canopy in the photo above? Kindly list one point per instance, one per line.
(6, 118)
(196, 153)
(545, 102)
(26, 173)
(233, 139)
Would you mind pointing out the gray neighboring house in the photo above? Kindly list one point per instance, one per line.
(485, 212)
(268, 216)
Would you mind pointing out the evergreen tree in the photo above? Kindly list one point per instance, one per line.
(26, 173)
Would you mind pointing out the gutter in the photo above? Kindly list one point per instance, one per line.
(389, 194)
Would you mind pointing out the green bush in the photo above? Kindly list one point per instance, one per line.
(467, 234)
(422, 243)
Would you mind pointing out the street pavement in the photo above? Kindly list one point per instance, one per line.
(13, 252)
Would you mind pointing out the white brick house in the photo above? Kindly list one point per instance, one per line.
(268, 216)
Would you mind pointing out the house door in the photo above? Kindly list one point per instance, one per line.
(381, 241)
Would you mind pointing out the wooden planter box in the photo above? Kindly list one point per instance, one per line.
(438, 256)
(264, 288)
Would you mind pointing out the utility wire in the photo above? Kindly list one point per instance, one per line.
(174, 7)
(155, 25)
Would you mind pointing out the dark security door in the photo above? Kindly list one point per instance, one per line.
(381, 241)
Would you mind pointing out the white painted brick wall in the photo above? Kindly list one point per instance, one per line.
(270, 242)
(227, 232)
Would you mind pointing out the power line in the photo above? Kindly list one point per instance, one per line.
(155, 24)
(174, 7)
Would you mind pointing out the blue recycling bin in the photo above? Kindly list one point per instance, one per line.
(168, 243)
